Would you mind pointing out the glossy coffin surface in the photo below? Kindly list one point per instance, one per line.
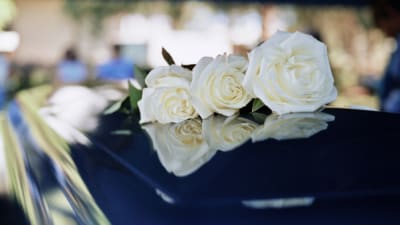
(334, 167)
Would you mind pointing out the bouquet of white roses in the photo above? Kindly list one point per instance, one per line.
(289, 72)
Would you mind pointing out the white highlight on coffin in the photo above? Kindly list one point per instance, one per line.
(362, 107)
(165, 197)
(279, 203)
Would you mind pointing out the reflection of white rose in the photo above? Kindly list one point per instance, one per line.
(167, 98)
(290, 72)
(181, 147)
(292, 126)
(227, 133)
(217, 85)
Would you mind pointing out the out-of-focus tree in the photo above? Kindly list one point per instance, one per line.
(7, 12)
(97, 11)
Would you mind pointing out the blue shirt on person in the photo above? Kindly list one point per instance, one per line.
(4, 72)
(116, 69)
(71, 71)
(389, 93)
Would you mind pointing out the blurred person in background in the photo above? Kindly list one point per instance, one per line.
(4, 72)
(387, 18)
(71, 70)
(117, 68)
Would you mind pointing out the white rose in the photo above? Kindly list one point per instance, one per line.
(290, 72)
(227, 133)
(292, 126)
(180, 147)
(167, 98)
(217, 85)
(166, 105)
(168, 76)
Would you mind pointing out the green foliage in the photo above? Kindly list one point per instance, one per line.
(8, 11)
(188, 66)
(134, 96)
(257, 104)
(258, 117)
(96, 11)
(140, 75)
(167, 57)
(116, 106)
(127, 105)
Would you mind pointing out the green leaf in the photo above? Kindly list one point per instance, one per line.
(167, 57)
(114, 107)
(140, 75)
(257, 104)
(127, 104)
(188, 66)
(122, 105)
(134, 96)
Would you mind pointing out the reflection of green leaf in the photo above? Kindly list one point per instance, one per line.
(257, 104)
(167, 57)
(134, 96)
(258, 117)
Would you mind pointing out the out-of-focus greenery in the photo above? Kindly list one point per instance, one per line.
(28, 76)
(96, 11)
(8, 11)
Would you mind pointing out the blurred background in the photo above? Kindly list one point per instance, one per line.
(97, 42)
(38, 35)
